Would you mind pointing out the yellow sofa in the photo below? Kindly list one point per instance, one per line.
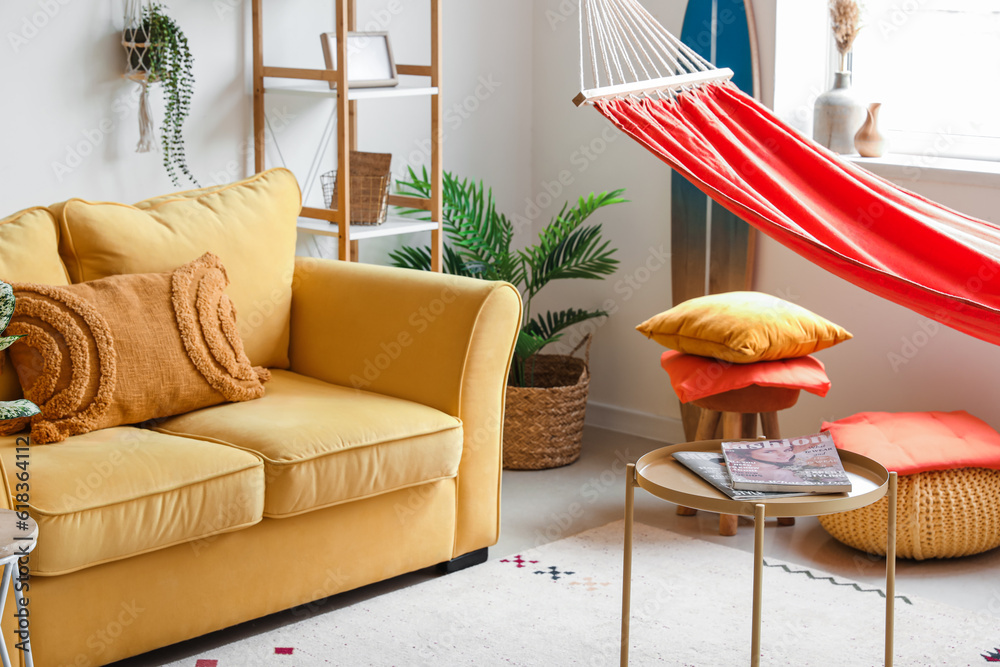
(375, 451)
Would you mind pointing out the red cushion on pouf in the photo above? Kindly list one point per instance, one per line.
(694, 377)
(914, 442)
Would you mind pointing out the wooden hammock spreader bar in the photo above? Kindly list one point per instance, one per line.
(653, 85)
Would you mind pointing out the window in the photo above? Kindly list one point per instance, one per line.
(934, 65)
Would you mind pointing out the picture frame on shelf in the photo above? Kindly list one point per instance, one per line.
(370, 61)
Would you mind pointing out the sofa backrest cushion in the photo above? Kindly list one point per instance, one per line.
(250, 225)
(29, 252)
(129, 348)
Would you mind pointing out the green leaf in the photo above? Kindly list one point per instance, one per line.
(171, 63)
(420, 260)
(580, 253)
(551, 324)
(529, 343)
(411, 258)
(7, 341)
(479, 240)
(6, 305)
(527, 346)
(17, 409)
(474, 229)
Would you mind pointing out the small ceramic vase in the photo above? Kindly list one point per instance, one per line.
(837, 116)
(869, 141)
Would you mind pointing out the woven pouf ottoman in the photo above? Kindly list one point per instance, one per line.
(948, 498)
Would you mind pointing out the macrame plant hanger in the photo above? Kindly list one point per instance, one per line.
(137, 63)
(631, 54)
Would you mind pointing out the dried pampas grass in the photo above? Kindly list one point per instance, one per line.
(846, 17)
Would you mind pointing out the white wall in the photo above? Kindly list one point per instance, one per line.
(68, 124)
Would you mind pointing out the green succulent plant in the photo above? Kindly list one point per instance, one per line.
(479, 240)
(23, 407)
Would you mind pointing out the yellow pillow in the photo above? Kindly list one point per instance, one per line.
(29, 248)
(29, 252)
(249, 225)
(742, 327)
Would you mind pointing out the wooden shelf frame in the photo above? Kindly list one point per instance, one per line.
(347, 128)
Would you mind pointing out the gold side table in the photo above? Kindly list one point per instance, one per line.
(660, 474)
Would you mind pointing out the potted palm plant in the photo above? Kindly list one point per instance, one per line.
(22, 408)
(546, 394)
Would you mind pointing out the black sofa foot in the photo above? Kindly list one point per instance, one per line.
(464, 561)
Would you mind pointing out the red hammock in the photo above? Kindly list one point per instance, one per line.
(884, 239)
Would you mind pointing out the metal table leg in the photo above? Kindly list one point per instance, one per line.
(21, 602)
(758, 582)
(890, 570)
(9, 570)
(627, 569)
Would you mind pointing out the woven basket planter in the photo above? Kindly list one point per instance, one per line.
(939, 514)
(543, 425)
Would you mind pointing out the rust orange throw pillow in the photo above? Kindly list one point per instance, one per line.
(129, 348)
(694, 377)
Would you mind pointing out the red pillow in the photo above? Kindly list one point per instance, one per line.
(694, 377)
(912, 442)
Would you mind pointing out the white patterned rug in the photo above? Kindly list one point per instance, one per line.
(560, 605)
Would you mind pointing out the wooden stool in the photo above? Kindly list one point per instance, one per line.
(738, 410)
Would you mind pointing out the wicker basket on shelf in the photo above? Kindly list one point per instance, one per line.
(543, 425)
(370, 181)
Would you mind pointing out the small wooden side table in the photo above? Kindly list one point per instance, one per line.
(17, 539)
(738, 410)
(660, 474)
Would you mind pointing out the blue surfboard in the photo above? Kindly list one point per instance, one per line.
(704, 234)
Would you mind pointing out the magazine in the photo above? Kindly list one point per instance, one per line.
(711, 467)
(808, 463)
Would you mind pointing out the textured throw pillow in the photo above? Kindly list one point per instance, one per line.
(129, 348)
(742, 327)
(249, 225)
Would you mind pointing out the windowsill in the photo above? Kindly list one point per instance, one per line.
(895, 166)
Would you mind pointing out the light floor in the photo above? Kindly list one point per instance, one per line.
(546, 505)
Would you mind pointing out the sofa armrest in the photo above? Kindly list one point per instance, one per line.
(442, 341)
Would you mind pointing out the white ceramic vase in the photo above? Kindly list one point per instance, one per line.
(838, 115)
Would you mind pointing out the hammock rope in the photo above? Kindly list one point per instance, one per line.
(889, 241)
(623, 36)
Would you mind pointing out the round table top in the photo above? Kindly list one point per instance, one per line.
(665, 477)
(16, 536)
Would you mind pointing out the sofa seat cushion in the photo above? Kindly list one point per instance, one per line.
(123, 491)
(323, 444)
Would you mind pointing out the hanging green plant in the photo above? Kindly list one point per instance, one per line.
(479, 246)
(159, 53)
